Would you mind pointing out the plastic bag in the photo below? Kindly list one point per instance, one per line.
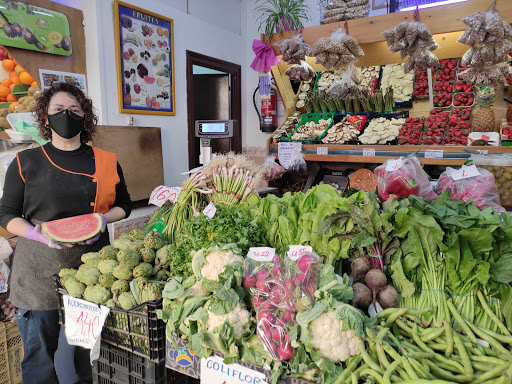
(273, 331)
(297, 164)
(480, 187)
(346, 87)
(403, 177)
(294, 50)
(271, 170)
(302, 269)
(301, 72)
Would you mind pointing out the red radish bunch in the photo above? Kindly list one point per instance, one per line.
(445, 75)
(273, 333)
(421, 89)
(303, 272)
(443, 100)
(463, 99)
(443, 87)
(462, 86)
(448, 64)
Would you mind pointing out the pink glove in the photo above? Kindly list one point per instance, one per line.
(94, 239)
(34, 233)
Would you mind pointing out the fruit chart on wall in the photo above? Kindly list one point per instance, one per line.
(145, 61)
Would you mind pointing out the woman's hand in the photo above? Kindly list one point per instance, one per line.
(34, 233)
(97, 237)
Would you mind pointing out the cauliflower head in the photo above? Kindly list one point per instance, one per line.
(107, 266)
(88, 275)
(143, 269)
(89, 255)
(108, 252)
(148, 255)
(128, 258)
(237, 318)
(122, 272)
(328, 339)
(211, 266)
(107, 280)
(97, 294)
(73, 286)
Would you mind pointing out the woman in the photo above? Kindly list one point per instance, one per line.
(63, 178)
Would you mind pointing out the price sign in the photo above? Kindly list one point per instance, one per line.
(214, 371)
(210, 210)
(368, 151)
(261, 253)
(394, 165)
(161, 194)
(322, 150)
(433, 154)
(296, 251)
(285, 151)
(4, 277)
(84, 322)
(465, 172)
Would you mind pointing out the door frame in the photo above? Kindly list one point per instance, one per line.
(235, 70)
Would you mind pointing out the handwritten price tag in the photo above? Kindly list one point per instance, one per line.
(368, 151)
(322, 150)
(296, 251)
(394, 165)
(465, 172)
(4, 277)
(84, 322)
(161, 194)
(261, 253)
(433, 154)
(210, 210)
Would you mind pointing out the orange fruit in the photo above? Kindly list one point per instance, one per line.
(4, 91)
(11, 87)
(12, 73)
(10, 98)
(34, 84)
(15, 62)
(6, 82)
(25, 78)
(19, 69)
(8, 64)
(16, 80)
(11, 107)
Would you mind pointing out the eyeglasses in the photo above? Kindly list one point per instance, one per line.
(59, 108)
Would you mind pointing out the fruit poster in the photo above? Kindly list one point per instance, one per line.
(35, 28)
(145, 61)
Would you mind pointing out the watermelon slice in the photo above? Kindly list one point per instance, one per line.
(73, 229)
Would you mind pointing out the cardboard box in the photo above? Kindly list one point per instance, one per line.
(188, 362)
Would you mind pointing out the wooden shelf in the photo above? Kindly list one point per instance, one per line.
(341, 153)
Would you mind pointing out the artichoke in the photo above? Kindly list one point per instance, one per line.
(73, 286)
(124, 236)
(161, 275)
(107, 266)
(152, 291)
(143, 269)
(67, 272)
(137, 245)
(97, 294)
(148, 255)
(126, 300)
(120, 286)
(93, 262)
(111, 303)
(136, 234)
(88, 275)
(152, 240)
(108, 252)
(128, 258)
(122, 272)
(107, 280)
(121, 244)
(163, 256)
(89, 255)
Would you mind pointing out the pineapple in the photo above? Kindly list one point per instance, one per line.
(483, 117)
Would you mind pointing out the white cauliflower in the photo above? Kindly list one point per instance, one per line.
(328, 339)
(216, 264)
(196, 290)
(238, 318)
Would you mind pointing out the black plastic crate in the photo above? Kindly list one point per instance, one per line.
(115, 365)
(136, 330)
(175, 377)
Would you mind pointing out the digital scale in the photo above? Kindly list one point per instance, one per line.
(207, 130)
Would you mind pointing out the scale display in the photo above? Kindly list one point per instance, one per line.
(216, 128)
(213, 128)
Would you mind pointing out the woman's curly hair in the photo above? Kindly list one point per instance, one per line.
(43, 103)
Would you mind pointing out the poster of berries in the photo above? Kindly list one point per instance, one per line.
(145, 61)
(35, 28)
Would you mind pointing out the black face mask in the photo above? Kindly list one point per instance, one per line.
(66, 123)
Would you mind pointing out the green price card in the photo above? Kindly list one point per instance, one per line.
(38, 29)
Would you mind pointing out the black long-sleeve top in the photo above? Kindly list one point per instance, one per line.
(20, 201)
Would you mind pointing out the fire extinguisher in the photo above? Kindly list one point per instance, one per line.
(268, 116)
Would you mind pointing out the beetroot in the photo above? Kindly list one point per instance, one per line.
(375, 280)
(285, 351)
(250, 281)
(362, 296)
(388, 297)
(360, 268)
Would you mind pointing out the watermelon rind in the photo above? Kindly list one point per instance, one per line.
(73, 229)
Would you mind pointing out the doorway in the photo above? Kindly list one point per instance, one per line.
(214, 92)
